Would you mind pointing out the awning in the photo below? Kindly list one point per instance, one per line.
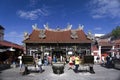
(3, 50)
(7, 49)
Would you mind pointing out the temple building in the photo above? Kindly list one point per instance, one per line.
(105, 47)
(9, 51)
(58, 42)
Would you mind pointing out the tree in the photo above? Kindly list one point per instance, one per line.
(116, 32)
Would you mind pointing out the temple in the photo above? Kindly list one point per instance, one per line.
(58, 42)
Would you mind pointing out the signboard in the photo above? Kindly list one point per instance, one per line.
(70, 53)
(27, 60)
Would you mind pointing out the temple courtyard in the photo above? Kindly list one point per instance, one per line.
(101, 73)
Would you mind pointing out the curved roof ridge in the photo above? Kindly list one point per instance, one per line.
(56, 30)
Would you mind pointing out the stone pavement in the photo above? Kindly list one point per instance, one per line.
(4, 66)
(101, 73)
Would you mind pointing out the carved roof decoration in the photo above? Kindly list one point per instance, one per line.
(26, 35)
(35, 27)
(74, 34)
(46, 26)
(80, 27)
(49, 35)
(69, 26)
(42, 34)
(90, 36)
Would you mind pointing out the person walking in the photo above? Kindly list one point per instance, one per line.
(77, 62)
(40, 64)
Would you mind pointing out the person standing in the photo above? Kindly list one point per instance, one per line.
(49, 60)
(77, 62)
(54, 59)
(20, 62)
(40, 64)
(98, 59)
(70, 63)
(36, 61)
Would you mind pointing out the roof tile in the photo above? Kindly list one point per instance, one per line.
(10, 44)
(57, 37)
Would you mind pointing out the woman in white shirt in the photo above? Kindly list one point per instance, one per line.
(40, 64)
(20, 62)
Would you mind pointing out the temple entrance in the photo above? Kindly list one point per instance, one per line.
(59, 54)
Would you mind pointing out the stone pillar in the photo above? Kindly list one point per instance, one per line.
(99, 52)
(25, 49)
(113, 53)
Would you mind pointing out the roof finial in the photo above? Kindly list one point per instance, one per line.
(35, 27)
(46, 26)
(80, 27)
(90, 35)
(58, 28)
(69, 26)
(26, 35)
(74, 34)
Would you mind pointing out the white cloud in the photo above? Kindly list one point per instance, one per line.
(14, 37)
(97, 16)
(98, 28)
(32, 15)
(117, 23)
(33, 3)
(14, 34)
(105, 8)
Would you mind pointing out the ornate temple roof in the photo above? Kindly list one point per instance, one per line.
(105, 42)
(117, 41)
(48, 35)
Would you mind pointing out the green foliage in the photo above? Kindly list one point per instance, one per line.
(116, 32)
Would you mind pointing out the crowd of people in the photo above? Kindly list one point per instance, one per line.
(109, 60)
(72, 60)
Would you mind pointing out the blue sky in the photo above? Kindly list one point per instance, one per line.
(18, 16)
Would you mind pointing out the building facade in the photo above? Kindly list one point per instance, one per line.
(105, 47)
(9, 51)
(58, 42)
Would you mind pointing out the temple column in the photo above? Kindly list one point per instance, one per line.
(113, 53)
(25, 49)
(99, 52)
(41, 48)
